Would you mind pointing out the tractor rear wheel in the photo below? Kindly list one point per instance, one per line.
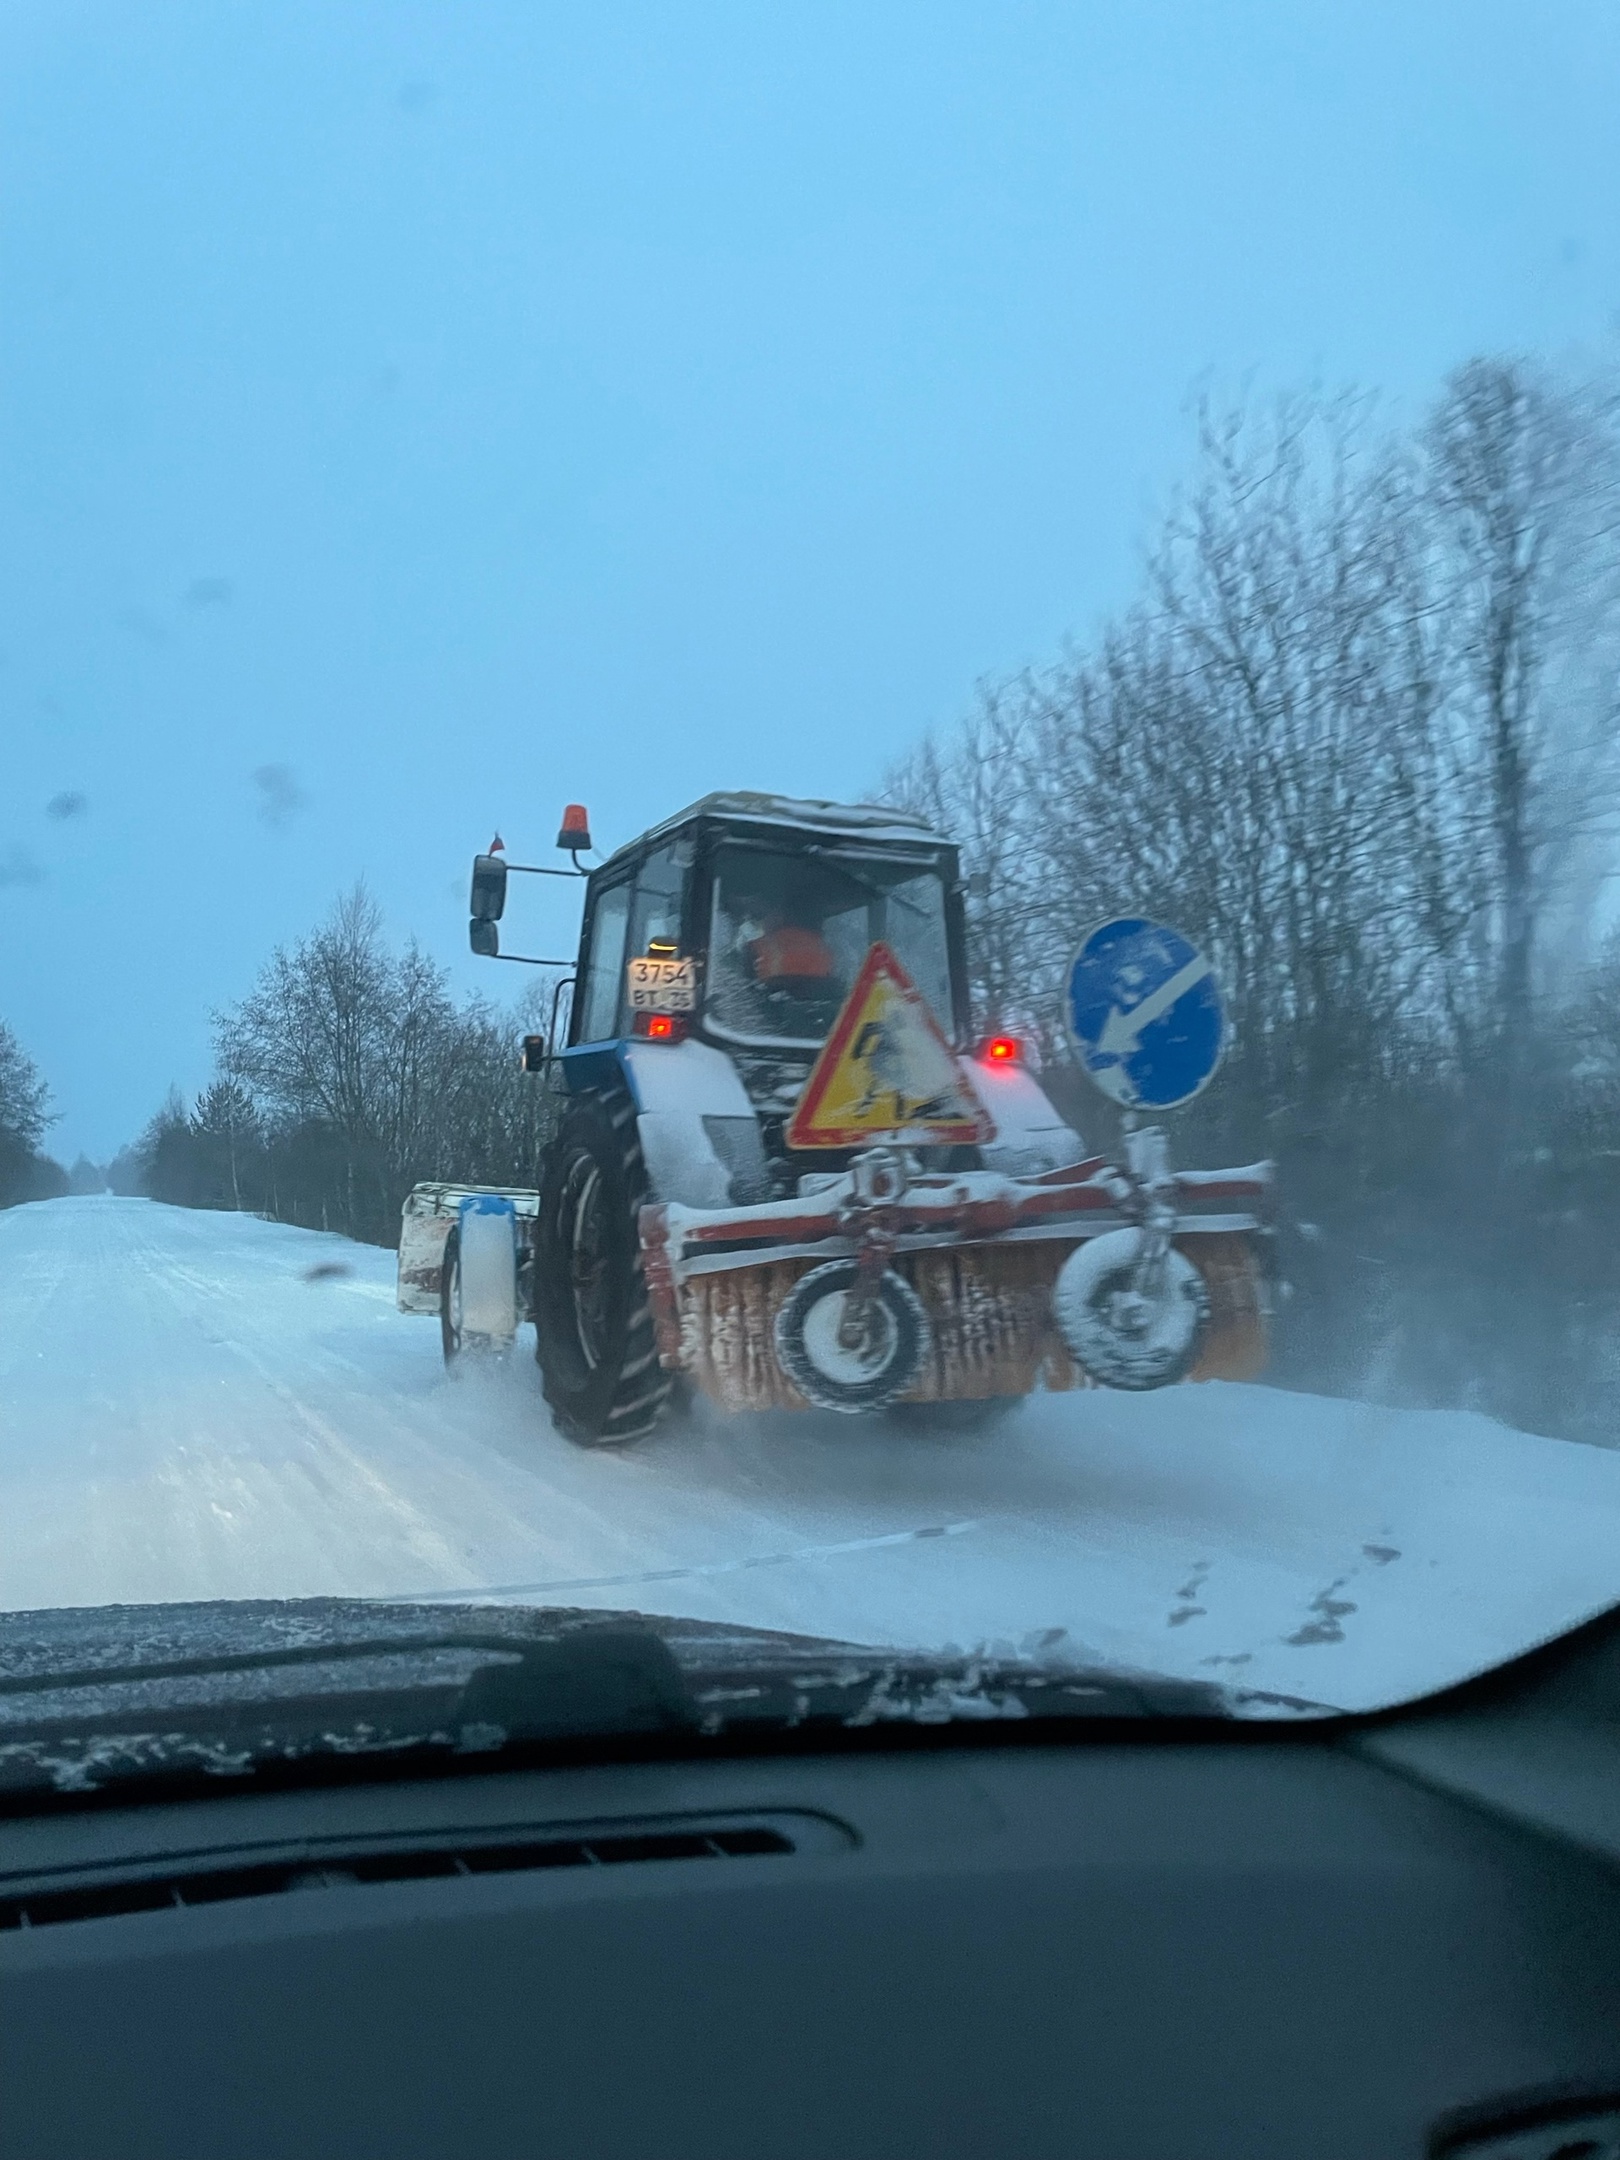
(593, 1325)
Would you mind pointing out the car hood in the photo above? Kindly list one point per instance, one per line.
(113, 1695)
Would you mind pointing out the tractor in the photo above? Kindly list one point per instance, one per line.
(783, 1173)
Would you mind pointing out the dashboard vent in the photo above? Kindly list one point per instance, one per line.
(216, 1885)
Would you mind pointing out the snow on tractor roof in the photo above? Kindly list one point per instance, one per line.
(865, 821)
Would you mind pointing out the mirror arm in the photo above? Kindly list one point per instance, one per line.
(527, 960)
(543, 1048)
(539, 870)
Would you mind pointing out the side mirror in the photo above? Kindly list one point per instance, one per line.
(488, 902)
(535, 1054)
(485, 939)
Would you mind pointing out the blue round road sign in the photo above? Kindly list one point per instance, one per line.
(1144, 1009)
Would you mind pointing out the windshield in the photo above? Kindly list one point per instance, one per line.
(789, 932)
(1098, 526)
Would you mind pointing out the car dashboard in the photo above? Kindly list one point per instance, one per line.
(1378, 1938)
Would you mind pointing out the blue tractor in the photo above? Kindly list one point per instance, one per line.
(782, 1172)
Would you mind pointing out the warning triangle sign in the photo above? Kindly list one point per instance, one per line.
(886, 1072)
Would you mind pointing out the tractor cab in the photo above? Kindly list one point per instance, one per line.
(775, 905)
(742, 923)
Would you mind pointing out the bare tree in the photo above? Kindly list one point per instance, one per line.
(311, 1043)
(1524, 480)
(25, 1116)
(362, 1076)
(1256, 750)
(25, 1100)
(977, 790)
(1359, 736)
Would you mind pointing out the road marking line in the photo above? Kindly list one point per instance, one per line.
(677, 1574)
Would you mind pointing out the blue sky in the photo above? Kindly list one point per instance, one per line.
(445, 412)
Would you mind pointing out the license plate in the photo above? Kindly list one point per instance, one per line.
(662, 985)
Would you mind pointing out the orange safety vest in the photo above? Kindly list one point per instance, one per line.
(791, 951)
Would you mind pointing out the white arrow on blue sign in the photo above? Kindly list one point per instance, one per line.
(1144, 1008)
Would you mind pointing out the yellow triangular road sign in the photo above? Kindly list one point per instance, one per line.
(886, 1072)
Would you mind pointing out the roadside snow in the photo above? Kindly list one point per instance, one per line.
(201, 1406)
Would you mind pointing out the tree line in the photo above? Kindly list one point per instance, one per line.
(347, 1075)
(1359, 735)
(26, 1171)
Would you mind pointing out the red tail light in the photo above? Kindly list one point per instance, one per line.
(660, 1027)
(1002, 1050)
(576, 828)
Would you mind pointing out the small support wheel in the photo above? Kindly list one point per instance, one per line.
(837, 1374)
(1125, 1336)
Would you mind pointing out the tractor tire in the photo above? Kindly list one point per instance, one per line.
(594, 1336)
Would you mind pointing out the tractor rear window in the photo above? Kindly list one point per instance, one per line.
(791, 929)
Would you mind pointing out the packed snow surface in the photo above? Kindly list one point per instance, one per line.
(203, 1406)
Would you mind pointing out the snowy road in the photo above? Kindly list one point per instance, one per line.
(186, 1411)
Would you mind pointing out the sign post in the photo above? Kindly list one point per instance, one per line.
(1144, 1010)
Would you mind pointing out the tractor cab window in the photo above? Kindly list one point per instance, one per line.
(790, 931)
(604, 965)
(655, 916)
